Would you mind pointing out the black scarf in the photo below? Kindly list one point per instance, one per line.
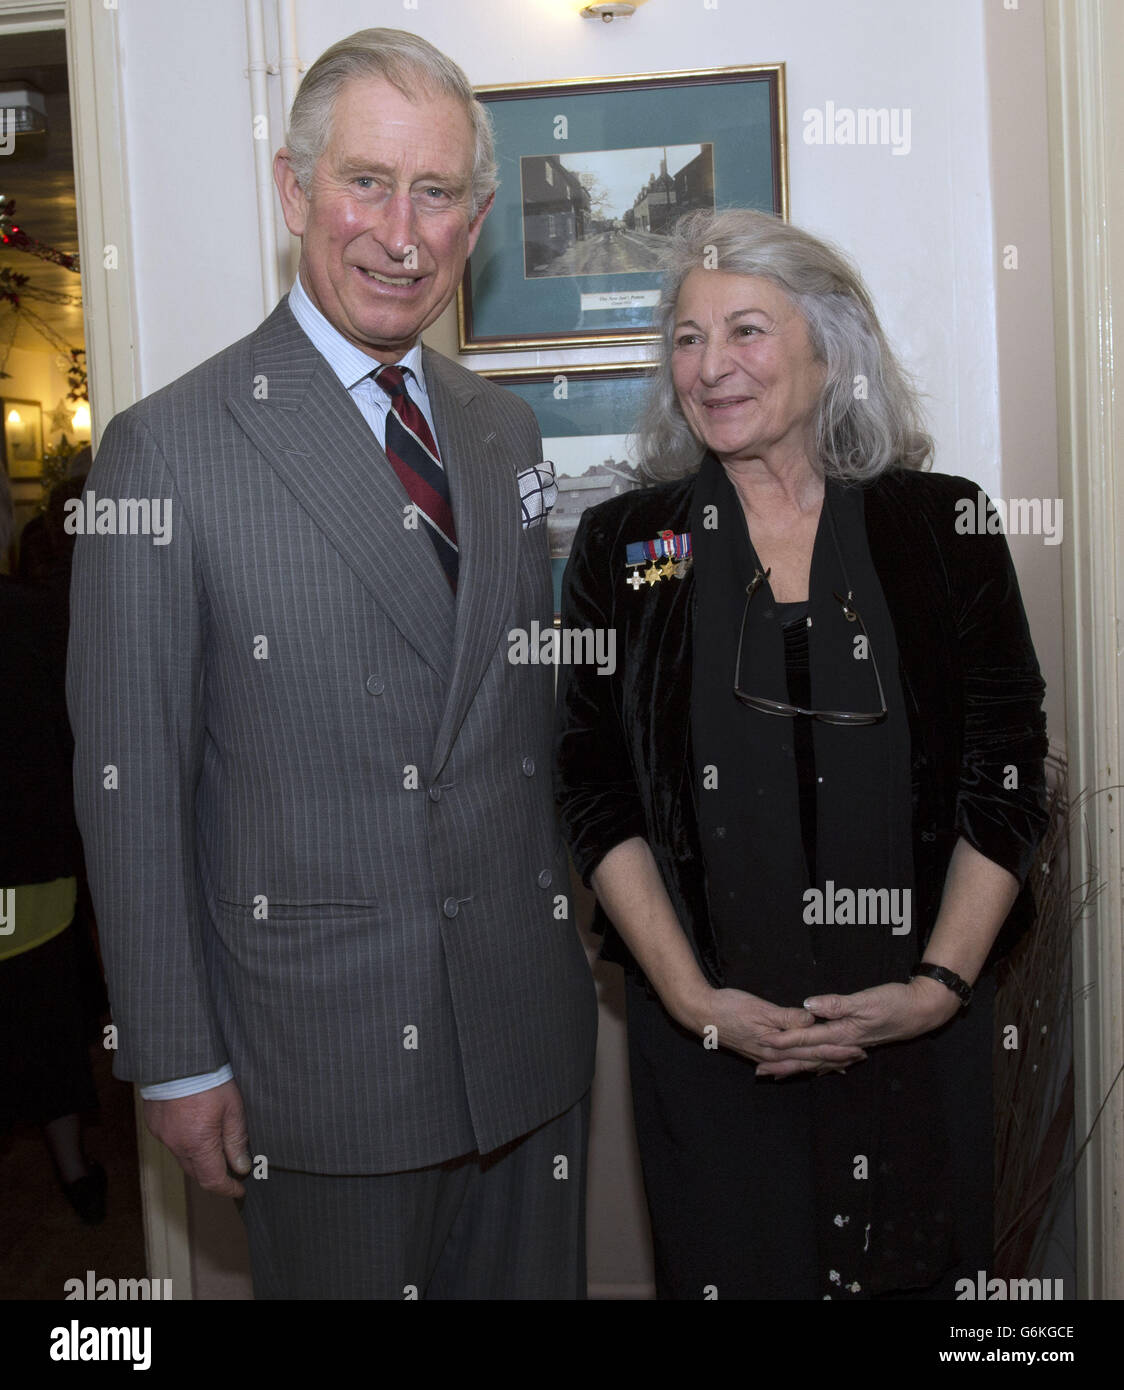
(875, 1232)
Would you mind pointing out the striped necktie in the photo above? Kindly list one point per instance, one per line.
(413, 455)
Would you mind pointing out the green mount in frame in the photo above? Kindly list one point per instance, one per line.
(567, 133)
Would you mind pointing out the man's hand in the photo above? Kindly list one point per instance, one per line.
(206, 1132)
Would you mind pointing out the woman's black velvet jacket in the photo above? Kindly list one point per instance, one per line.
(968, 672)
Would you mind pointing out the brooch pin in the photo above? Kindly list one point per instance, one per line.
(669, 555)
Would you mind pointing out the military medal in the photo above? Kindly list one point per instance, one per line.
(666, 557)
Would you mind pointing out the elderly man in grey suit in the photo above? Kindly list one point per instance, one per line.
(314, 790)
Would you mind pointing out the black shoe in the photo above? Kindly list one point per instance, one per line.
(87, 1195)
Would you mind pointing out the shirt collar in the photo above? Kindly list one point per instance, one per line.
(350, 364)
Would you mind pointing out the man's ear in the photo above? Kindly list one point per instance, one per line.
(478, 221)
(294, 202)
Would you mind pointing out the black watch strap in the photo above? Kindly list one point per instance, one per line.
(949, 978)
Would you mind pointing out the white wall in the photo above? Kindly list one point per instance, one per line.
(925, 228)
(919, 226)
(190, 174)
(1025, 390)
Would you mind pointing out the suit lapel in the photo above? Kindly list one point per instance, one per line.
(487, 516)
(311, 432)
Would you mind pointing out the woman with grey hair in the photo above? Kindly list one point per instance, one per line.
(808, 796)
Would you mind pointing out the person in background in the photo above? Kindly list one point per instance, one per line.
(46, 546)
(45, 1073)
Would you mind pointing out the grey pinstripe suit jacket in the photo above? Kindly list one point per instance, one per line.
(286, 776)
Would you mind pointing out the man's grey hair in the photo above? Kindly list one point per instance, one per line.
(408, 63)
(869, 416)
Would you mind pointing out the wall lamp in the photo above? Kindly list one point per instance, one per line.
(611, 9)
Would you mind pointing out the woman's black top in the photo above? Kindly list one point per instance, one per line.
(806, 836)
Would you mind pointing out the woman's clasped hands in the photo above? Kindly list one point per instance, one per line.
(829, 1033)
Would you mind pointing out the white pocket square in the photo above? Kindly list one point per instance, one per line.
(538, 493)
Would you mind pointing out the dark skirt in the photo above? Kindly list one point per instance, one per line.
(44, 1061)
(728, 1159)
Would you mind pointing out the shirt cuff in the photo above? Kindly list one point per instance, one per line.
(188, 1085)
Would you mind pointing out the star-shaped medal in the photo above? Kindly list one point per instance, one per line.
(652, 574)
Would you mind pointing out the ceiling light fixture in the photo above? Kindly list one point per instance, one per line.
(26, 105)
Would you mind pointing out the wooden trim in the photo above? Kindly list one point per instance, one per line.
(26, 16)
(1085, 77)
(108, 273)
(163, 1184)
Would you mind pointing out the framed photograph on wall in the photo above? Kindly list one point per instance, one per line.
(587, 415)
(593, 175)
(23, 438)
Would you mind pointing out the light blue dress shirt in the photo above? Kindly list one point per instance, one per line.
(353, 368)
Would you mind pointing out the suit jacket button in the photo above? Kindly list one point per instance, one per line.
(451, 907)
(435, 793)
(375, 685)
(546, 878)
(529, 766)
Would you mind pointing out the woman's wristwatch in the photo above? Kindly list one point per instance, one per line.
(949, 978)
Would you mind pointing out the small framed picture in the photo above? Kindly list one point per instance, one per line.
(587, 415)
(23, 438)
(594, 173)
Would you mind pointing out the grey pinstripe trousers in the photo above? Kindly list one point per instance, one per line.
(504, 1225)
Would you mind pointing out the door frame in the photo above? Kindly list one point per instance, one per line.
(1085, 77)
(109, 293)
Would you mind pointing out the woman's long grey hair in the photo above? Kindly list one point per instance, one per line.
(870, 416)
